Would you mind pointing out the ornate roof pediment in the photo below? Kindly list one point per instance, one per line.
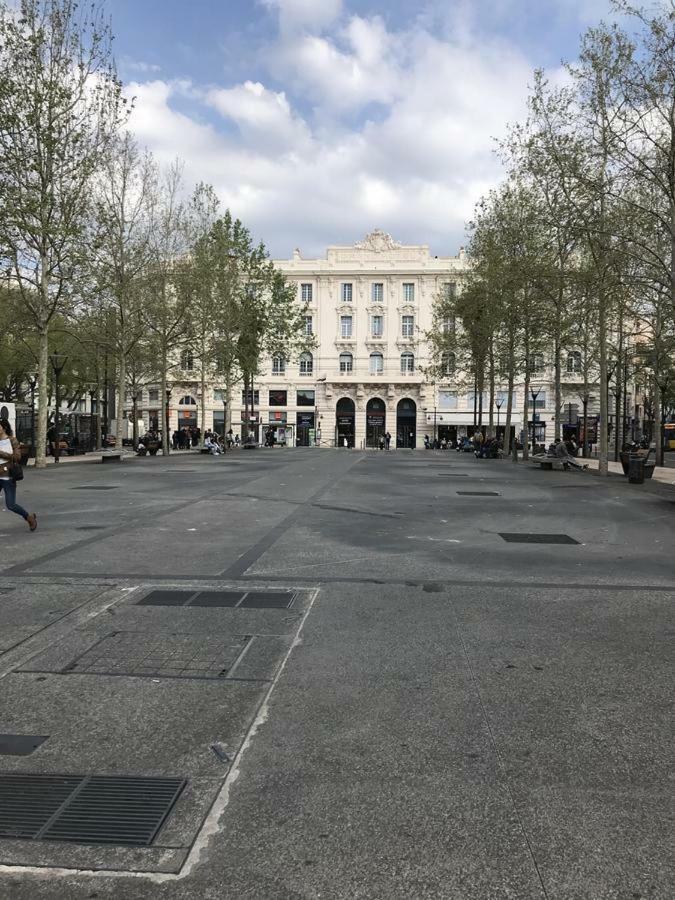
(378, 241)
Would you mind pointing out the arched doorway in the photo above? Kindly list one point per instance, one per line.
(376, 421)
(345, 416)
(187, 412)
(406, 423)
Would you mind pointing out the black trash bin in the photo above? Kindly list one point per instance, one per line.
(636, 470)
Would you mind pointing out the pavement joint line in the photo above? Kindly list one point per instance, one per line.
(498, 755)
(210, 825)
(266, 578)
(253, 554)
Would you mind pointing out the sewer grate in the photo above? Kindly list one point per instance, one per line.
(93, 810)
(224, 599)
(268, 600)
(535, 538)
(217, 598)
(164, 655)
(20, 744)
(166, 598)
(478, 493)
(94, 487)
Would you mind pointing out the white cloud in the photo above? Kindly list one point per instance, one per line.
(139, 66)
(374, 127)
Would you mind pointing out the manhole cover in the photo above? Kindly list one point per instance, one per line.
(225, 599)
(160, 655)
(531, 538)
(94, 487)
(92, 810)
(20, 744)
(478, 493)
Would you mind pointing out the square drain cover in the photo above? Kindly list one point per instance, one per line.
(478, 493)
(166, 598)
(20, 744)
(160, 655)
(92, 810)
(532, 538)
(268, 599)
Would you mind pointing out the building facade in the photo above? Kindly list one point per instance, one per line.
(369, 306)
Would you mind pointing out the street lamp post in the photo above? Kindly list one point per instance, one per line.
(32, 384)
(535, 394)
(58, 361)
(499, 403)
(167, 441)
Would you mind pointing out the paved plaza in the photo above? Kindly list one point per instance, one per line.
(336, 674)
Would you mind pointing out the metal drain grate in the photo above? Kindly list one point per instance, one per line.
(94, 487)
(92, 810)
(160, 656)
(533, 538)
(478, 493)
(20, 744)
(224, 599)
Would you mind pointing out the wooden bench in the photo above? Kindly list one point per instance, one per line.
(114, 456)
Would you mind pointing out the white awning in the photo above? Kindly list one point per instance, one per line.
(465, 417)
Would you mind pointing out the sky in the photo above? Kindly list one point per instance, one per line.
(319, 120)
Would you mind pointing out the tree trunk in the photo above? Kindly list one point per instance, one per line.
(491, 423)
(203, 399)
(43, 393)
(509, 411)
(657, 434)
(603, 467)
(121, 392)
(165, 416)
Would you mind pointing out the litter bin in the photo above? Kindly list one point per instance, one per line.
(636, 470)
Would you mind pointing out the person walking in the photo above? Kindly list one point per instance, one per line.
(387, 439)
(11, 453)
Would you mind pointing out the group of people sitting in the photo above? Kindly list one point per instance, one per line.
(184, 438)
(217, 445)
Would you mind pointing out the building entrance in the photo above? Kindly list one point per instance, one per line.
(305, 425)
(376, 420)
(406, 423)
(345, 416)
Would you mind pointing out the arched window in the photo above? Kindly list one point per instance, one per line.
(574, 361)
(346, 363)
(537, 362)
(306, 363)
(187, 359)
(376, 364)
(407, 363)
(278, 365)
(187, 400)
(448, 363)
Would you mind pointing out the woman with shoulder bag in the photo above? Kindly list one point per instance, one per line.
(10, 467)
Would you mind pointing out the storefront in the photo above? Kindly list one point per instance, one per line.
(406, 423)
(345, 418)
(376, 422)
(304, 429)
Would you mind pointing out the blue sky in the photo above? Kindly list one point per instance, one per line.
(318, 120)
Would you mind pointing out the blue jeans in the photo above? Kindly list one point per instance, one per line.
(9, 488)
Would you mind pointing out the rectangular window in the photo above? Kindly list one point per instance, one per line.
(278, 398)
(346, 293)
(447, 399)
(448, 325)
(306, 293)
(376, 364)
(345, 326)
(449, 290)
(409, 293)
(503, 397)
(253, 398)
(153, 395)
(408, 326)
(540, 402)
(218, 395)
(346, 363)
(309, 325)
(377, 326)
(304, 398)
(469, 401)
(377, 292)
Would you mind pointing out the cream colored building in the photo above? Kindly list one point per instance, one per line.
(368, 306)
